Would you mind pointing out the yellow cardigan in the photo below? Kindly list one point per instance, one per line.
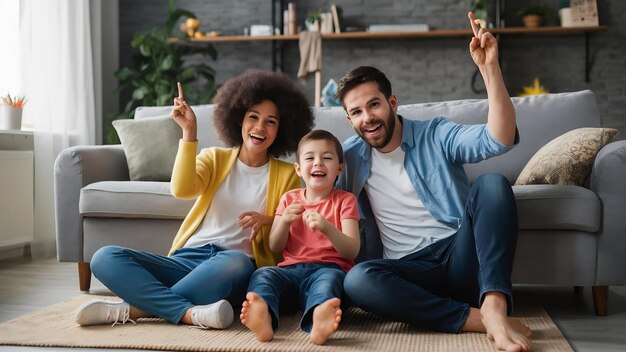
(200, 177)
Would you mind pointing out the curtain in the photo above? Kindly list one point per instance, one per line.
(57, 76)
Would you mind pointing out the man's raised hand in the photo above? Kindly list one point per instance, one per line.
(483, 46)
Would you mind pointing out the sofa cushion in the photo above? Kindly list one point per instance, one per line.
(150, 146)
(132, 199)
(207, 137)
(552, 207)
(567, 159)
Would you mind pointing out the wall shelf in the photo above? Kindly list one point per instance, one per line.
(436, 33)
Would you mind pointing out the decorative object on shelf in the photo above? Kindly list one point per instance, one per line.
(533, 16)
(313, 21)
(535, 89)
(11, 112)
(584, 13)
(479, 8)
(157, 67)
(190, 28)
(336, 13)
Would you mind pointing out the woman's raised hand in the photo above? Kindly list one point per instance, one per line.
(184, 116)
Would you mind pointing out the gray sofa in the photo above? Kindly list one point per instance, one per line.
(568, 235)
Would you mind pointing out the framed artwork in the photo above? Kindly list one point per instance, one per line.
(584, 13)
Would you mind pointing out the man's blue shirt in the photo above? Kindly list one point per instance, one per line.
(435, 151)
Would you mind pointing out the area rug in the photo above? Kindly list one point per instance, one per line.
(54, 326)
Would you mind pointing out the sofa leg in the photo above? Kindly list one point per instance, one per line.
(579, 290)
(600, 299)
(84, 276)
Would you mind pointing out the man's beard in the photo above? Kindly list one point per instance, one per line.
(388, 130)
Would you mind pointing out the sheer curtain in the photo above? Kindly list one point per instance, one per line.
(57, 76)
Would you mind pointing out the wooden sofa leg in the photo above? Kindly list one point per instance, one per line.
(600, 299)
(84, 276)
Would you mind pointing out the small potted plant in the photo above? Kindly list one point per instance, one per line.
(534, 16)
(11, 112)
(313, 21)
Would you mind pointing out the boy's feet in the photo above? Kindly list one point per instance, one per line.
(256, 316)
(218, 315)
(103, 312)
(326, 319)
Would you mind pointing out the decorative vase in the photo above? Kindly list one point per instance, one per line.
(10, 118)
(532, 21)
(313, 26)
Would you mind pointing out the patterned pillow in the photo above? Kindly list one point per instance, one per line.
(567, 159)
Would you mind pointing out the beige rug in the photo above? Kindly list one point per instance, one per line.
(54, 327)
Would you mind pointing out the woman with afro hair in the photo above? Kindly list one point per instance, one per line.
(260, 116)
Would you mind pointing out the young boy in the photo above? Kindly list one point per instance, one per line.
(317, 230)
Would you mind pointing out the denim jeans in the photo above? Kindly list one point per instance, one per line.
(435, 287)
(305, 286)
(167, 286)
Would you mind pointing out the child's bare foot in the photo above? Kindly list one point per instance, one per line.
(508, 334)
(256, 316)
(326, 318)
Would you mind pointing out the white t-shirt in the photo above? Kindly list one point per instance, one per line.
(245, 189)
(405, 225)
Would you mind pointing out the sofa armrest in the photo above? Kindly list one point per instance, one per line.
(74, 168)
(608, 181)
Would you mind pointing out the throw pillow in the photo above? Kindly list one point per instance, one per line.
(150, 146)
(567, 159)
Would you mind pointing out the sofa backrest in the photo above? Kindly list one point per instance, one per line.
(540, 118)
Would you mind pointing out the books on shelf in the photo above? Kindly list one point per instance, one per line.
(336, 12)
(414, 27)
(290, 26)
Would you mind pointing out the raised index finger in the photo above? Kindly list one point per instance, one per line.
(470, 15)
(180, 90)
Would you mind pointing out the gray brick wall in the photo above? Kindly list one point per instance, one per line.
(421, 70)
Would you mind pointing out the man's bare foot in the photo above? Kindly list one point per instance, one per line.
(256, 316)
(326, 318)
(508, 334)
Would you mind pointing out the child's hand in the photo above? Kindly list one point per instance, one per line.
(184, 116)
(254, 220)
(292, 213)
(315, 221)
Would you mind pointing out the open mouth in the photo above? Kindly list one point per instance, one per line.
(316, 174)
(257, 138)
(373, 129)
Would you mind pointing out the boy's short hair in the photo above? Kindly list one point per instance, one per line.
(321, 135)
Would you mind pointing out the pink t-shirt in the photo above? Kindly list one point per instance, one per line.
(307, 246)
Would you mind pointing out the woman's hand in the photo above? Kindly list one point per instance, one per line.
(184, 116)
(483, 46)
(254, 220)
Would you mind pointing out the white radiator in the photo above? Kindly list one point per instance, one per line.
(16, 197)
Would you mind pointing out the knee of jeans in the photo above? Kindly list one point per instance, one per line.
(101, 260)
(492, 179)
(238, 263)
(355, 278)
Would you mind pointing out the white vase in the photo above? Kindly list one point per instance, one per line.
(10, 118)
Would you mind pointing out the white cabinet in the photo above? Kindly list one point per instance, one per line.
(16, 188)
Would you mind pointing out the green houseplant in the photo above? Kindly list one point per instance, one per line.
(534, 15)
(159, 64)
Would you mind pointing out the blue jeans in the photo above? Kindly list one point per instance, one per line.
(305, 285)
(435, 287)
(167, 287)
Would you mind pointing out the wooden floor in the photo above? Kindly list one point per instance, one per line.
(26, 285)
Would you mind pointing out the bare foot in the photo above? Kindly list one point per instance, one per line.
(508, 334)
(256, 316)
(326, 318)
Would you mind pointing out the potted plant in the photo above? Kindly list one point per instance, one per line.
(534, 16)
(11, 112)
(479, 8)
(313, 21)
(159, 64)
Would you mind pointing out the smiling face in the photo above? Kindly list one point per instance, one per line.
(373, 117)
(318, 165)
(258, 130)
